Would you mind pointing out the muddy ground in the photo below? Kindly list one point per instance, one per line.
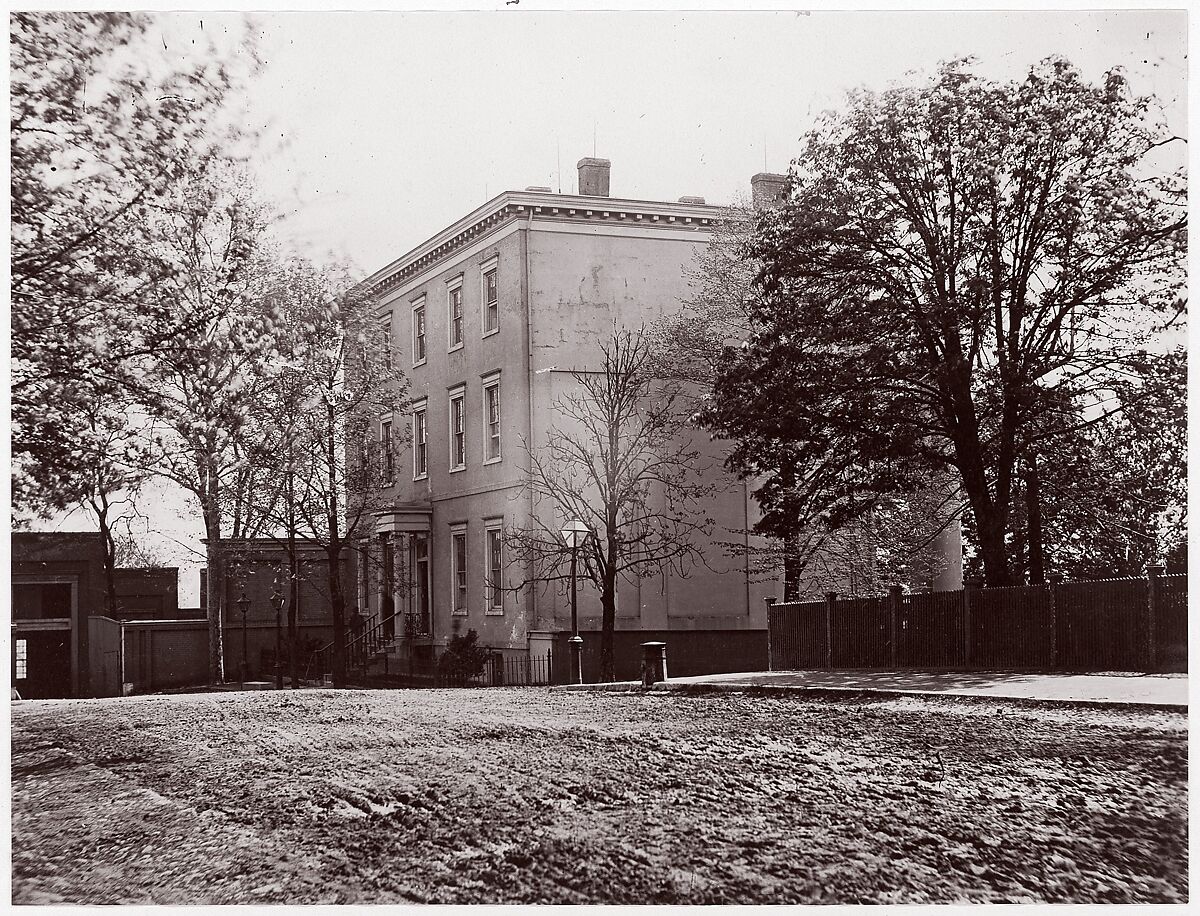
(535, 796)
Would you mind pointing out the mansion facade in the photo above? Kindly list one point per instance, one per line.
(489, 319)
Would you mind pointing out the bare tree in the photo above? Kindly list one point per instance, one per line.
(621, 462)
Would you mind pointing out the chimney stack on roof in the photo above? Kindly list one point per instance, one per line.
(691, 200)
(593, 177)
(767, 189)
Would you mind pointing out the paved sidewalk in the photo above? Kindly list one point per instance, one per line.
(1165, 690)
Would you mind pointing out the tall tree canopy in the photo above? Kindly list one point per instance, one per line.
(963, 272)
(103, 123)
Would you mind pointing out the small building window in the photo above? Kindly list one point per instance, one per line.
(21, 650)
(420, 444)
(491, 302)
(458, 571)
(491, 419)
(418, 332)
(458, 433)
(454, 309)
(495, 569)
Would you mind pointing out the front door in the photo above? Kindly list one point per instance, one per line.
(421, 596)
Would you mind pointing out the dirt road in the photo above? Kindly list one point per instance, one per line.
(529, 795)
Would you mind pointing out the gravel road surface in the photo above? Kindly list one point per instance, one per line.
(532, 795)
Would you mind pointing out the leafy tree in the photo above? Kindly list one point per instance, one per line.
(1113, 494)
(200, 386)
(102, 124)
(620, 461)
(888, 539)
(331, 380)
(963, 270)
(111, 464)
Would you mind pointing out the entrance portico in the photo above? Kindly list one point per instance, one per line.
(401, 573)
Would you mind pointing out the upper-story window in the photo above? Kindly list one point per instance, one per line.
(454, 313)
(385, 340)
(388, 463)
(491, 298)
(418, 331)
(420, 436)
(491, 420)
(458, 429)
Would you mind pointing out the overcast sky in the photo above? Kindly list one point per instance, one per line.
(386, 127)
(395, 124)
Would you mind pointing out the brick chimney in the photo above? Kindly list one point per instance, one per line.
(593, 177)
(767, 189)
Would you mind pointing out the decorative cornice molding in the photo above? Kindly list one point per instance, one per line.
(513, 205)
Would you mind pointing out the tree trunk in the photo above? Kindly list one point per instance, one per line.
(100, 507)
(215, 588)
(333, 550)
(293, 574)
(791, 570)
(216, 581)
(990, 530)
(608, 620)
(1033, 514)
(338, 603)
(292, 633)
(991, 517)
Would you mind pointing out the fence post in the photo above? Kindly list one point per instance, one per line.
(830, 597)
(971, 589)
(1055, 580)
(1153, 601)
(769, 601)
(894, 594)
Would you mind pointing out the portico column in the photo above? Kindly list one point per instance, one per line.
(399, 576)
(381, 576)
(363, 559)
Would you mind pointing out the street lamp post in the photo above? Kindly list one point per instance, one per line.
(575, 533)
(277, 600)
(243, 604)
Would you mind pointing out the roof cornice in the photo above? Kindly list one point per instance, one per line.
(512, 205)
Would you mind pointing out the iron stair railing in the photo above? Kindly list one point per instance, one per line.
(364, 648)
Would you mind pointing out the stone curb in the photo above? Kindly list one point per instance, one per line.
(835, 692)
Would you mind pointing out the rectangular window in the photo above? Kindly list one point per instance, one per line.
(491, 302)
(385, 340)
(418, 332)
(495, 570)
(420, 444)
(22, 657)
(458, 570)
(388, 462)
(454, 308)
(491, 419)
(458, 434)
